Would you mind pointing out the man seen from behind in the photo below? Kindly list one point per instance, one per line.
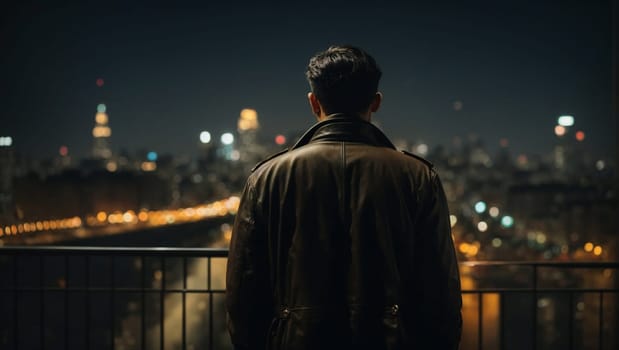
(341, 241)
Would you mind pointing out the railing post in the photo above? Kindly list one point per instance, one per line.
(184, 302)
(601, 322)
(112, 303)
(480, 318)
(66, 302)
(15, 304)
(42, 300)
(210, 305)
(570, 326)
(143, 301)
(534, 308)
(162, 305)
(87, 308)
(502, 320)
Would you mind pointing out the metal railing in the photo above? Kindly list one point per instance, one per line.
(575, 280)
(138, 298)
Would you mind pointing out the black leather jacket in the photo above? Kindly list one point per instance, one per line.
(342, 242)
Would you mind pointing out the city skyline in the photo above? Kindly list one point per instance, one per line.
(500, 71)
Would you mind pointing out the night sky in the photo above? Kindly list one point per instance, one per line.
(171, 72)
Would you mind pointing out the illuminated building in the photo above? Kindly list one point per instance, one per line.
(247, 127)
(101, 134)
(6, 175)
(250, 152)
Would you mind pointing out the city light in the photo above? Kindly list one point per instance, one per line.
(540, 238)
(152, 156)
(101, 118)
(597, 250)
(463, 247)
(560, 130)
(580, 136)
(565, 120)
(101, 108)
(600, 165)
(227, 138)
(205, 137)
(101, 131)
(63, 151)
(453, 220)
(6, 141)
(235, 155)
(280, 139)
(248, 120)
(480, 207)
(111, 166)
(497, 242)
(100, 82)
(470, 250)
(101, 216)
(494, 212)
(129, 216)
(507, 221)
(482, 226)
(148, 166)
(422, 149)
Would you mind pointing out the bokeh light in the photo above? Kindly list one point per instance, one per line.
(205, 137)
(580, 136)
(494, 212)
(507, 221)
(6, 141)
(248, 120)
(101, 118)
(565, 120)
(152, 156)
(560, 130)
(280, 139)
(227, 138)
(453, 220)
(497, 242)
(482, 226)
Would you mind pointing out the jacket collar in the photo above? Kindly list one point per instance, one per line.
(344, 127)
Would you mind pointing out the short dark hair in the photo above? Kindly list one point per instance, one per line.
(344, 79)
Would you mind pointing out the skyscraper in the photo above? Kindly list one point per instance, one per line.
(6, 176)
(250, 150)
(101, 134)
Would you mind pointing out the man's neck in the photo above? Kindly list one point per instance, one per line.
(367, 116)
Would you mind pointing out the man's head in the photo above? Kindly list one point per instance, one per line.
(343, 79)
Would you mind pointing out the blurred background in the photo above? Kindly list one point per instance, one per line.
(136, 126)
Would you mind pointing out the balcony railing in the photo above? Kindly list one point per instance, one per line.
(172, 298)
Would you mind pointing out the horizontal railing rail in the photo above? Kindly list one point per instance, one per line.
(104, 278)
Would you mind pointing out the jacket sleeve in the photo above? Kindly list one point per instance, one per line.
(248, 299)
(438, 295)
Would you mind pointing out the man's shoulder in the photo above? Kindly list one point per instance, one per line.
(410, 156)
(269, 158)
(424, 161)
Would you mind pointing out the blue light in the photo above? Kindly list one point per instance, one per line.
(480, 207)
(507, 221)
(152, 156)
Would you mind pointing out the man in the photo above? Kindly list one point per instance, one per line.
(342, 242)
